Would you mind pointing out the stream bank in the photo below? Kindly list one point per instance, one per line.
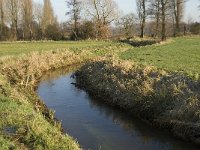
(25, 121)
(95, 124)
(167, 100)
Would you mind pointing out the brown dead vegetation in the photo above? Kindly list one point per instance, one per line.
(166, 99)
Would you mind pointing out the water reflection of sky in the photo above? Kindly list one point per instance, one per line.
(97, 126)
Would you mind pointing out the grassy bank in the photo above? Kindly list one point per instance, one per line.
(165, 99)
(25, 122)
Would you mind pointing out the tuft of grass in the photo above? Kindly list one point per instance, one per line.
(5, 144)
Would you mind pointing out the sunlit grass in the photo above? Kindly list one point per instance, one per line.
(182, 54)
(16, 48)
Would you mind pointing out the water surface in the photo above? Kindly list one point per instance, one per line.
(97, 126)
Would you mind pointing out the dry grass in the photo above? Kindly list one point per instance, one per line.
(25, 122)
(164, 98)
(25, 70)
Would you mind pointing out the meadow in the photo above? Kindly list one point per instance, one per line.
(179, 54)
(25, 47)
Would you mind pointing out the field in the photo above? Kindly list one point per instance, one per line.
(180, 54)
(17, 48)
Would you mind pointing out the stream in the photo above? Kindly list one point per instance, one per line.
(97, 126)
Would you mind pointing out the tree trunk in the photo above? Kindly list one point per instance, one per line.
(157, 17)
(98, 19)
(143, 18)
(163, 21)
(178, 5)
(142, 31)
(2, 19)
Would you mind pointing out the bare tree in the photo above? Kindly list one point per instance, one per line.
(103, 12)
(127, 24)
(2, 23)
(165, 8)
(48, 17)
(1, 17)
(2, 12)
(178, 9)
(155, 12)
(142, 14)
(27, 17)
(37, 21)
(13, 8)
(37, 13)
(74, 11)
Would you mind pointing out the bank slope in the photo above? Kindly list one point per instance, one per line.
(165, 99)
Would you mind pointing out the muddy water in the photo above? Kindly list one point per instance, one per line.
(97, 126)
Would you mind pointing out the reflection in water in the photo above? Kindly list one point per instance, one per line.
(98, 126)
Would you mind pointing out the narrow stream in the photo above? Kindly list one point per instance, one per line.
(97, 126)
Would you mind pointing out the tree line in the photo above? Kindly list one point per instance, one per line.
(161, 13)
(26, 20)
(93, 19)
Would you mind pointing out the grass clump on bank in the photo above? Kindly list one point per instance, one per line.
(25, 122)
(166, 99)
(26, 128)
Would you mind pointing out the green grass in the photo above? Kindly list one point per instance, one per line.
(22, 124)
(25, 123)
(16, 48)
(183, 54)
(24, 127)
(6, 144)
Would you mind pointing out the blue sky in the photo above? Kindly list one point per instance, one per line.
(126, 6)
